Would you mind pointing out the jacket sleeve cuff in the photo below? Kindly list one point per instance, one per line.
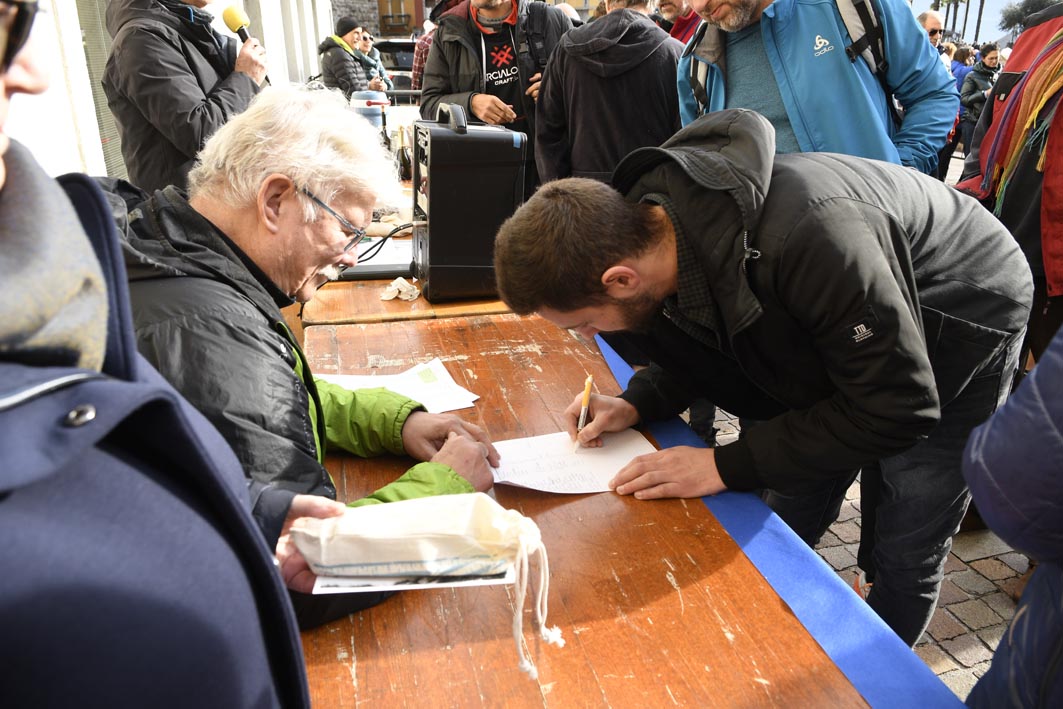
(422, 480)
(734, 463)
(408, 407)
(269, 507)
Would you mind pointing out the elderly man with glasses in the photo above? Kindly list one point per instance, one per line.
(277, 202)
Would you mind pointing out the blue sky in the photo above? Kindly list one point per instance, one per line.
(990, 18)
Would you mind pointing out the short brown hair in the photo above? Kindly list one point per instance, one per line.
(553, 251)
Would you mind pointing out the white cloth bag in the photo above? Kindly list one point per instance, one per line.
(445, 535)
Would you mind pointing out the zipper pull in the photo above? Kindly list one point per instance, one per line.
(751, 254)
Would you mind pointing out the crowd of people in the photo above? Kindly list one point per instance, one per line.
(717, 186)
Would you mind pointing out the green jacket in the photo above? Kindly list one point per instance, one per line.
(210, 322)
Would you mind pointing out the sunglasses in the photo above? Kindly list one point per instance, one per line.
(16, 20)
(934, 33)
(351, 230)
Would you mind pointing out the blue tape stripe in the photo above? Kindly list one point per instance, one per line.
(880, 666)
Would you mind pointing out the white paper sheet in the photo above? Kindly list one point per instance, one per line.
(394, 251)
(548, 462)
(366, 584)
(429, 383)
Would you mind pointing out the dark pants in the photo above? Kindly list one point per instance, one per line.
(921, 501)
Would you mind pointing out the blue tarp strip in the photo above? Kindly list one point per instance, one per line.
(880, 666)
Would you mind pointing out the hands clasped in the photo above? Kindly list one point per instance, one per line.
(491, 109)
(447, 439)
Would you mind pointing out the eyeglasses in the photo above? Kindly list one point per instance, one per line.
(934, 33)
(351, 230)
(16, 20)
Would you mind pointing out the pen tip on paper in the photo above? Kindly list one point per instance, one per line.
(575, 446)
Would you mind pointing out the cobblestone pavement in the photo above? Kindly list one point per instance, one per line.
(974, 608)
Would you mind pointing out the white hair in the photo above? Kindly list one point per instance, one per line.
(311, 136)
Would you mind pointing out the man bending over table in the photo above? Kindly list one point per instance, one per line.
(861, 310)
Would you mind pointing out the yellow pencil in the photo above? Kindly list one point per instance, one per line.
(585, 408)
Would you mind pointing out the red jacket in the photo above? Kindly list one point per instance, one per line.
(1007, 191)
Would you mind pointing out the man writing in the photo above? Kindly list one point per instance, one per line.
(276, 206)
(862, 312)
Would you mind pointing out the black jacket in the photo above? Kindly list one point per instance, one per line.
(170, 85)
(851, 298)
(972, 95)
(609, 88)
(454, 69)
(340, 69)
(133, 572)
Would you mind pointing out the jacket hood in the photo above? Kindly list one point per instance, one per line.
(119, 12)
(717, 171)
(731, 152)
(615, 44)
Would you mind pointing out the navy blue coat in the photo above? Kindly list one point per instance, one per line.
(1014, 466)
(133, 573)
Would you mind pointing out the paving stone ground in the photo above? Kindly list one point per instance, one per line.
(974, 607)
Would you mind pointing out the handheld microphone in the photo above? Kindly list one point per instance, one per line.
(237, 21)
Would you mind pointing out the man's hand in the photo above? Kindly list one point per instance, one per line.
(424, 435)
(468, 458)
(293, 567)
(491, 109)
(533, 86)
(673, 472)
(252, 60)
(605, 415)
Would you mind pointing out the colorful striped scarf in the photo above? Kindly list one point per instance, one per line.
(1042, 81)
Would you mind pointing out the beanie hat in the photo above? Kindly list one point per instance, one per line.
(345, 24)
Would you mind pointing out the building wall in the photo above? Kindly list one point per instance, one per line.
(61, 128)
(364, 10)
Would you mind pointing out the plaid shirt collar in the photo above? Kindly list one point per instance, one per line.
(692, 309)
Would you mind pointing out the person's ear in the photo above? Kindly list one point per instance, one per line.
(277, 193)
(621, 281)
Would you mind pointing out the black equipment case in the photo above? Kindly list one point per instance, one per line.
(467, 180)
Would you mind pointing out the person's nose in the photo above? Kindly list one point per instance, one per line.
(587, 332)
(26, 74)
(350, 257)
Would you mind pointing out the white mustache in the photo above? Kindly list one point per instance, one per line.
(330, 273)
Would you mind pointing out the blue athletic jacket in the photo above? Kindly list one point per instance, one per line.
(836, 105)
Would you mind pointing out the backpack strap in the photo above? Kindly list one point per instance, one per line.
(861, 21)
(535, 33)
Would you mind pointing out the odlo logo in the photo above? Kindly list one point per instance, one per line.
(822, 46)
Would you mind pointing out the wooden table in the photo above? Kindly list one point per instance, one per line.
(343, 302)
(658, 605)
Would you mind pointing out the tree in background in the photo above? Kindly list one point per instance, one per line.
(1013, 16)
